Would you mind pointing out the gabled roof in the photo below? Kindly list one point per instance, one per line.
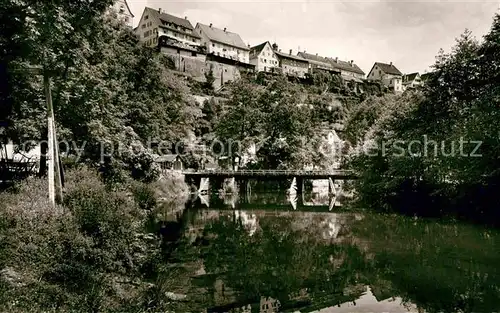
(258, 49)
(410, 77)
(314, 58)
(128, 8)
(221, 36)
(334, 63)
(346, 66)
(387, 68)
(165, 17)
(290, 56)
(169, 18)
(426, 76)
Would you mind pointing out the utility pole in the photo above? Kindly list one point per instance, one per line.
(54, 165)
(50, 125)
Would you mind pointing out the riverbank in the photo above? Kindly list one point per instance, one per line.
(98, 251)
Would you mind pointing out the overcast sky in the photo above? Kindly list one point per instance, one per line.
(408, 33)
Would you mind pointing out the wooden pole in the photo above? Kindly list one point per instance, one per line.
(57, 163)
(50, 125)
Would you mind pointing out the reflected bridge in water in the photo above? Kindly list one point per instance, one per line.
(210, 182)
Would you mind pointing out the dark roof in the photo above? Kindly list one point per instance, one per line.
(334, 63)
(346, 66)
(290, 56)
(176, 20)
(410, 77)
(257, 49)
(426, 76)
(221, 36)
(388, 68)
(314, 58)
(185, 23)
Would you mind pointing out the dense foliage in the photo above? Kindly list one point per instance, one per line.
(435, 151)
(110, 93)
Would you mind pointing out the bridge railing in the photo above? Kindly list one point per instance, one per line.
(272, 172)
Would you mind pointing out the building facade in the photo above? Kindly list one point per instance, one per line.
(388, 74)
(411, 81)
(263, 58)
(292, 65)
(156, 23)
(348, 70)
(123, 11)
(223, 43)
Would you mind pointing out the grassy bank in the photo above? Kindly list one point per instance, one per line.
(97, 252)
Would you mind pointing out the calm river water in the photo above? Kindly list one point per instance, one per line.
(266, 254)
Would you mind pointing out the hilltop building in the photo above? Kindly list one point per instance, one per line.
(123, 11)
(156, 23)
(388, 74)
(223, 43)
(348, 70)
(264, 58)
(317, 63)
(411, 81)
(291, 65)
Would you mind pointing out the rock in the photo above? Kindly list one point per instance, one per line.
(175, 296)
(12, 277)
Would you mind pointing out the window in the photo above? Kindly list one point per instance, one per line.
(213, 45)
(143, 26)
(225, 70)
(373, 73)
(146, 17)
(178, 51)
(193, 54)
(122, 9)
(379, 72)
(155, 40)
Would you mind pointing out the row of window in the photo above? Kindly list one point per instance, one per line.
(152, 41)
(148, 24)
(182, 36)
(224, 47)
(270, 61)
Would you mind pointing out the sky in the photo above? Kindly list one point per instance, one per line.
(407, 33)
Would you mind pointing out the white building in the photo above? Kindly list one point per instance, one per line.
(223, 43)
(411, 80)
(264, 58)
(388, 74)
(123, 11)
(156, 23)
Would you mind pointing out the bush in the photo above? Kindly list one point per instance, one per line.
(85, 256)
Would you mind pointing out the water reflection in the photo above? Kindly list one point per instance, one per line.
(264, 256)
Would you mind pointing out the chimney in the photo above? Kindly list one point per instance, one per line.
(159, 10)
(290, 51)
(352, 62)
(225, 29)
(185, 17)
(210, 25)
(336, 59)
(248, 45)
(390, 63)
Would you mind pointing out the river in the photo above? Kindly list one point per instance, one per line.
(263, 254)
